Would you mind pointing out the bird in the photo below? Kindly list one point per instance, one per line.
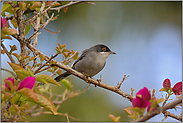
(91, 61)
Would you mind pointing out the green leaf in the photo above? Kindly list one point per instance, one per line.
(41, 57)
(28, 93)
(46, 103)
(46, 79)
(136, 109)
(5, 7)
(66, 83)
(22, 5)
(31, 73)
(75, 56)
(9, 83)
(8, 31)
(24, 57)
(7, 95)
(16, 55)
(163, 89)
(27, 29)
(15, 66)
(31, 58)
(113, 118)
(22, 74)
(13, 48)
(65, 50)
(36, 5)
(15, 99)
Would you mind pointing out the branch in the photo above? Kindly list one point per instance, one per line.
(42, 26)
(159, 110)
(45, 63)
(7, 53)
(83, 77)
(64, 6)
(15, 76)
(39, 14)
(34, 43)
(167, 113)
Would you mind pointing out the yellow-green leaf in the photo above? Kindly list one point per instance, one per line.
(41, 57)
(65, 50)
(27, 29)
(46, 79)
(22, 5)
(13, 48)
(28, 93)
(32, 58)
(5, 7)
(36, 5)
(66, 83)
(113, 118)
(7, 95)
(22, 74)
(9, 83)
(24, 57)
(31, 73)
(16, 55)
(46, 103)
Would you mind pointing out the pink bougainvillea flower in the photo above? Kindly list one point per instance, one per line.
(142, 98)
(167, 84)
(177, 88)
(27, 83)
(12, 80)
(139, 102)
(149, 107)
(145, 95)
(3, 22)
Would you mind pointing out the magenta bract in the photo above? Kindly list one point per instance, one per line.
(167, 84)
(3, 22)
(142, 98)
(177, 88)
(27, 83)
(139, 102)
(144, 93)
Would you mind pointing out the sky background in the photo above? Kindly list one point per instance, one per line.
(146, 37)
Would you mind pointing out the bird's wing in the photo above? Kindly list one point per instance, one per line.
(81, 57)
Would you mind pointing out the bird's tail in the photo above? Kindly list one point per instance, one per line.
(62, 76)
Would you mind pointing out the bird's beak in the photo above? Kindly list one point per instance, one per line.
(113, 53)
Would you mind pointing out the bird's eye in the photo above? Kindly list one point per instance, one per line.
(104, 49)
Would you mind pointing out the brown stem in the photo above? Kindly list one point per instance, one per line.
(21, 36)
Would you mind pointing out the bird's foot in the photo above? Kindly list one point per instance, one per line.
(85, 76)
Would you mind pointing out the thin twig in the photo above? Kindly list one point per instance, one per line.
(7, 53)
(64, 6)
(46, 63)
(167, 113)
(42, 26)
(38, 14)
(15, 76)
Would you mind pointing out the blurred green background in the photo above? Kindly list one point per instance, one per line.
(146, 37)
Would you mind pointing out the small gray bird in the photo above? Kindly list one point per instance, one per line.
(91, 61)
